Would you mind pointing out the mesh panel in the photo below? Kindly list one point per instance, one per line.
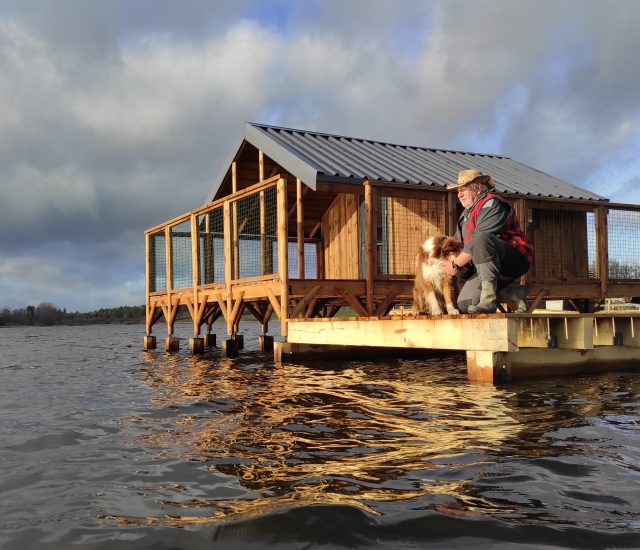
(270, 261)
(254, 235)
(157, 262)
(181, 272)
(403, 224)
(310, 259)
(211, 246)
(623, 244)
(564, 244)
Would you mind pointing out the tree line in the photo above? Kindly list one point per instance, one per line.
(47, 314)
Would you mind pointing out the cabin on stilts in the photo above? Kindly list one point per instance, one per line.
(321, 231)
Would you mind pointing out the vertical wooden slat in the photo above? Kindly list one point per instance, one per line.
(520, 207)
(263, 262)
(235, 274)
(602, 240)
(234, 177)
(452, 213)
(369, 242)
(227, 259)
(300, 228)
(148, 313)
(167, 248)
(260, 165)
(283, 255)
(195, 273)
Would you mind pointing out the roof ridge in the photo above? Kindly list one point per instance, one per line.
(325, 134)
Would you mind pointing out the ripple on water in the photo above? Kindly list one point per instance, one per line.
(112, 446)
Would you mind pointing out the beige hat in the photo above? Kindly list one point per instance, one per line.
(465, 177)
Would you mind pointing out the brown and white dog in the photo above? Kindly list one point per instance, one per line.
(432, 287)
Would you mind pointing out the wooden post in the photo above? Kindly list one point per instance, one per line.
(300, 228)
(369, 242)
(520, 207)
(169, 285)
(234, 177)
(227, 257)
(602, 251)
(488, 367)
(147, 272)
(451, 220)
(283, 260)
(195, 263)
(260, 165)
(263, 260)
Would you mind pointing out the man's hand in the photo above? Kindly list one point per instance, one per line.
(448, 268)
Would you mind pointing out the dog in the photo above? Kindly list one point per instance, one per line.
(432, 287)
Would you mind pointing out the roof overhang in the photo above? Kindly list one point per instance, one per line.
(280, 153)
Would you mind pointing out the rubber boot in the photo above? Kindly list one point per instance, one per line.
(514, 295)
(487, 303)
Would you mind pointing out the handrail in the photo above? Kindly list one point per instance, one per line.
(260, 186)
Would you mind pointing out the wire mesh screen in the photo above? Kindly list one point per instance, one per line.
(403, 225)
(211, 246)
(623, 227)
(310, 259)
(564, 243)
(181, 269)
(157, 262)
(254, 235)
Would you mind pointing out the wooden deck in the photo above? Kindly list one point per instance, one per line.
(499, 347)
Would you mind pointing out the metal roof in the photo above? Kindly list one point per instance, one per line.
(313, 156)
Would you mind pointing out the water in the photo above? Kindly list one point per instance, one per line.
(106, 446)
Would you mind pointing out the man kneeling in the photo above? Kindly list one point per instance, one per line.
(496, 250)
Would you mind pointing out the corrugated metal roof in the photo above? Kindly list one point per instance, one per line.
(303, 153)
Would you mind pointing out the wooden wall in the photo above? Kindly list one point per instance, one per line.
(560, 244)
(341, 238)
(409, 222)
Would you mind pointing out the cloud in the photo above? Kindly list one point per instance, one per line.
(119, 114)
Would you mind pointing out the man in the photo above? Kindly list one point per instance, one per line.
(494, 244)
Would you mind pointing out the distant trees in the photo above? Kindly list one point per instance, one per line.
(48, 314)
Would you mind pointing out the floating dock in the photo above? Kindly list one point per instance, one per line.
(500, 347)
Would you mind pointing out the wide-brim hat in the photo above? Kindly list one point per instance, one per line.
(465, 177)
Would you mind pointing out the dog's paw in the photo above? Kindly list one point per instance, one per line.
(452, 310)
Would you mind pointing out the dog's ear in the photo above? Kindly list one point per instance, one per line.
(436, 251)
(451, 246)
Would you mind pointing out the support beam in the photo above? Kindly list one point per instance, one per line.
(602, 248)
(300, 228)
(283, 254)
(370, 243)
(353, 301)
(488, 367)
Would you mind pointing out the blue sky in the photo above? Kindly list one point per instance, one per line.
(117, 115)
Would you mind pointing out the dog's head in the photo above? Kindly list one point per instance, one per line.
(441, 247)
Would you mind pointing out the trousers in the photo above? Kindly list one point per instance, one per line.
(493, 260)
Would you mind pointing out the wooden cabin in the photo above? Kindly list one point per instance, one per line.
(305, 225)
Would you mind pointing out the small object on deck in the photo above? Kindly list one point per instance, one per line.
(552, 340)
(239, 340)
(149, 342)
(196, 345)
(171, 343)
(618, 339)
(209, 340)
(265, 343)
(229, 347)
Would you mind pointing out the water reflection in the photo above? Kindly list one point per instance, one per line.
(292, 435)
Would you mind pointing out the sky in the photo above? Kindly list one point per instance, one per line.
(116, 116)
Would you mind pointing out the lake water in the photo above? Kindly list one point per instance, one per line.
(107, 446)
